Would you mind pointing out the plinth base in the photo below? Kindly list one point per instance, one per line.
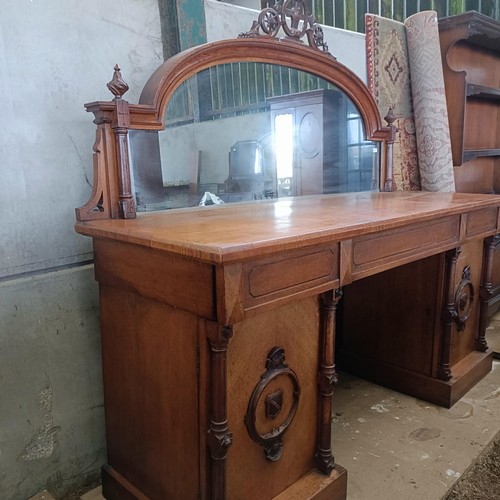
(466, 373)
(314, 485)
(317, 486)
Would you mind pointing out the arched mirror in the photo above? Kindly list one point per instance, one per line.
(249, 131)
(247, 119)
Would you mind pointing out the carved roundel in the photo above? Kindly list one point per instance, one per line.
(273, 404)
(269, 21)
(464, 298)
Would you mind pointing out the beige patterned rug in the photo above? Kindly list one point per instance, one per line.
(429, 103)
(404, 72)
(389, 82)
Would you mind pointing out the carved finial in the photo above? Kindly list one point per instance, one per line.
(117, 86)
(390, 118)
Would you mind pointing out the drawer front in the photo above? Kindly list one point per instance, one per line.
(164, 277)
(388, 249)
(289, 275)
(481, 222)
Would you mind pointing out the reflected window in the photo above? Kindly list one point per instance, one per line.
(250, 131)
(283, 144)
(362, 155)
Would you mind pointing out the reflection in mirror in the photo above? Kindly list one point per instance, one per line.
(250, 131)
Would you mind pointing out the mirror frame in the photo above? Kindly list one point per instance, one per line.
(112, 195)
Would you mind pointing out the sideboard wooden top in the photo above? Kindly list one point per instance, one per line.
(227, 233)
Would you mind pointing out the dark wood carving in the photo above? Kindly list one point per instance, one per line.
(464, 298)
(219, 438)
(117, 86)
(449, 315)
(485, 292)
(120, 125)
(295, 22)
(327, 379)
(272, 441)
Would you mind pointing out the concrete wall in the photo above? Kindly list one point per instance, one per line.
(55, 56)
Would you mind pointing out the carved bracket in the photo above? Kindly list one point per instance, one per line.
(273, 405)
(464, 298)
(295, 22)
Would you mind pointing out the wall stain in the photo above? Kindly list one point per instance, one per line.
(44, 441)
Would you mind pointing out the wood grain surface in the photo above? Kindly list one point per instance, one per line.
(228, 233)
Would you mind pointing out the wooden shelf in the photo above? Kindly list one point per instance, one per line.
(472, 154)
(476, 28)
(470, 53)
(481, 92)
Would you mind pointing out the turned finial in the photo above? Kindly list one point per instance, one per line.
(390, 118)
(117, 85)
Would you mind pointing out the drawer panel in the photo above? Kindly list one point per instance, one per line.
(371, 254)
(285, 275)
(481, 222)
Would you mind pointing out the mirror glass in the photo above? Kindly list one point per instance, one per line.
(251, 131)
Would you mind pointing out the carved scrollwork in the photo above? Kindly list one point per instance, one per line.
(273, 405)
(269, 21)
(464, 298)
(293, 19)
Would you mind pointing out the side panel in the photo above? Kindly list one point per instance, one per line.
(151, 395)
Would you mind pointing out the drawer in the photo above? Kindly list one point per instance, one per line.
(291, 274)
(375, 253)
(481, 222)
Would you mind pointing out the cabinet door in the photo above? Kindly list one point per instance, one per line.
(309, 148)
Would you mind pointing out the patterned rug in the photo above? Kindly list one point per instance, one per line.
(389, 83)
(405, 72)
(429, 103)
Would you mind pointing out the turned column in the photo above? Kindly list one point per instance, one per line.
(485, 293)
(219, 439)
(449, 315)
(327, 379)
(120, 126)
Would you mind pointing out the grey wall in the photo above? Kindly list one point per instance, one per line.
(55, 56)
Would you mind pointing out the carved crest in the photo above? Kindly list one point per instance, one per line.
(295, 22)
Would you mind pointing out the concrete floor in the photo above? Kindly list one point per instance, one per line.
(398, 447)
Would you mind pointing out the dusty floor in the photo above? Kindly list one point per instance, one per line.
(397, 447)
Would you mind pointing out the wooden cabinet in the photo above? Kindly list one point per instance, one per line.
(219, 323)
(395, 337)
(470, 51)
(182, 393)
(218, 344)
